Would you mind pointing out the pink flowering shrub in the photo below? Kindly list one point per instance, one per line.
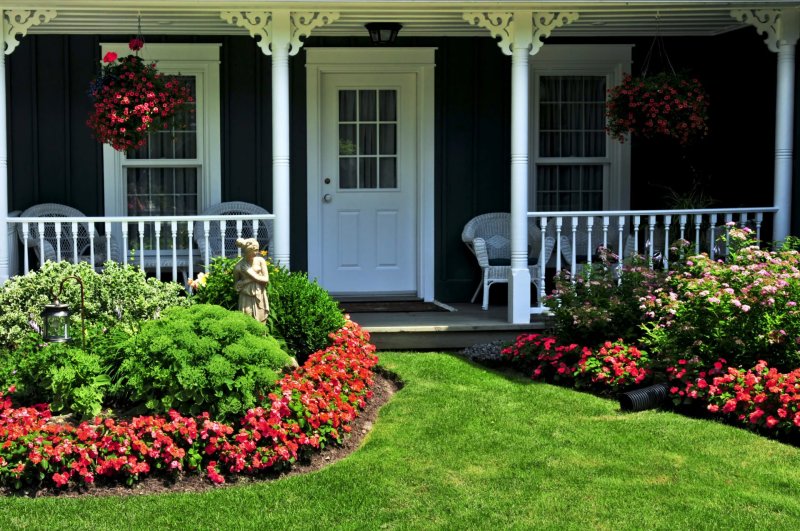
(745, 308)
(599, 303)
(613, 366)
(760, 398)
(307, 409)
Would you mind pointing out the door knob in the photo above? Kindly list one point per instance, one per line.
(327, 198)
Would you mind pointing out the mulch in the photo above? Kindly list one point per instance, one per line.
(385, 386)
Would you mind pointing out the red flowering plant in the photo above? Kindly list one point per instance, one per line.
(131, 98)
(543, 357)
(615, 366)
(661, 105)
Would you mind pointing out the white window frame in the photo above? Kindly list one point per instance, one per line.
(202, 62)
(609, 60)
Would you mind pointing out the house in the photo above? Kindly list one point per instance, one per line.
(372, 158)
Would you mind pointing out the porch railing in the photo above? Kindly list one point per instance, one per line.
(649, 233)
(156, 244)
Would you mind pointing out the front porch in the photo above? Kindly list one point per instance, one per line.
(476, 130)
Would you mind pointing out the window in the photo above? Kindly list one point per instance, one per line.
(367, 139)
(575, 166)
(177, 172)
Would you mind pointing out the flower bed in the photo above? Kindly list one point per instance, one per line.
(307, 409)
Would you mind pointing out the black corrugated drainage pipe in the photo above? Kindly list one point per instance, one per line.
(645, 398)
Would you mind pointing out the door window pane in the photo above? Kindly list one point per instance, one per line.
(367, 129)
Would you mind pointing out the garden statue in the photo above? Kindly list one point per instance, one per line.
(251, 277)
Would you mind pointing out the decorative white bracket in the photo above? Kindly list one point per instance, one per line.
(260, 26)
(19, 21)
(765, 22)
(776, 25)
(507, 27)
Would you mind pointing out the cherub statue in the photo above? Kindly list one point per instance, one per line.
(251, 278)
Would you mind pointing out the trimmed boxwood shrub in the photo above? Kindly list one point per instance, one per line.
(196, 359)
(302, 312)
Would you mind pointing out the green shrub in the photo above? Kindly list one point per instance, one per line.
(301, 312)
(217, 286)
(598, 306)
(201, 358)
(118, 295)
(68, 378)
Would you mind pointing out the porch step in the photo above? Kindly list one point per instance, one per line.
(466, 326)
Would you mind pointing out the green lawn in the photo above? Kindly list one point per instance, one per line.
(462, 447)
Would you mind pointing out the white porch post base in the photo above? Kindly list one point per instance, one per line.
(519, 296)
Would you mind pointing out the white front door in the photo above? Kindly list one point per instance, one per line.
(368, 193)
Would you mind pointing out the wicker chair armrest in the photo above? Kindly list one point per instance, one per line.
(481, 252)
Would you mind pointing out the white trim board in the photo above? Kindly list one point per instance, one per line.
(419, 61)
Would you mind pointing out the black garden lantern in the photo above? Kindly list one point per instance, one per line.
(383, 33)
(56, 318)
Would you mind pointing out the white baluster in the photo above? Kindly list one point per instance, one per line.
(683, 226)
(174, 251)
(713, 222)
(141, 245)
(651, 224)
(58, 240)
(222, 230)
(190, 234)
(107, 228)
(41, 243)
(728, 221)
(157, 227)
(543, 228)
(573, 265)
(74, 226)
(206, 227)
(667, 223)
(559, 222)
(759, 219)
(125, 246)
(637, 220)
(91, 242)
(698, 220)
(238, 235)
(606, 223)
(589, 243)
(25, 259)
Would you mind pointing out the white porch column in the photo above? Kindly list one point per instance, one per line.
(519, 281)
(281, 25)
(520, 34)
(279, 34)
(782, 29)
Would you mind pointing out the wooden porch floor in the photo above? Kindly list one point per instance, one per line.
(456, 330)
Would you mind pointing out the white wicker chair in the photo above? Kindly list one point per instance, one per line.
(79, 246)
(488, 236)
(215, 238)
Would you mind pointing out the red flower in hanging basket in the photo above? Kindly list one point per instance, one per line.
(131, 98)
(136, 44)
(660, 105)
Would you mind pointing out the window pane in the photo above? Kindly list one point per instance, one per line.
(347, 139)
(573, 106)
(348, 173)
(569, 187)
(388, 105)
(369, 173)
(388, 170)
(367, 139)
(388, 139)
(347, 106)
(367, 105)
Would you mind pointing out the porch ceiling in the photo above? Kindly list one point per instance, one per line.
(437, 18)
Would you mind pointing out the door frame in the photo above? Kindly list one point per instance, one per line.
(417, 61)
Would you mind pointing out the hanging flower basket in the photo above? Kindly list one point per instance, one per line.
(131, 98)
(660, 105)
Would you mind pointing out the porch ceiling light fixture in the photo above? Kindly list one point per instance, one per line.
(383, 33)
